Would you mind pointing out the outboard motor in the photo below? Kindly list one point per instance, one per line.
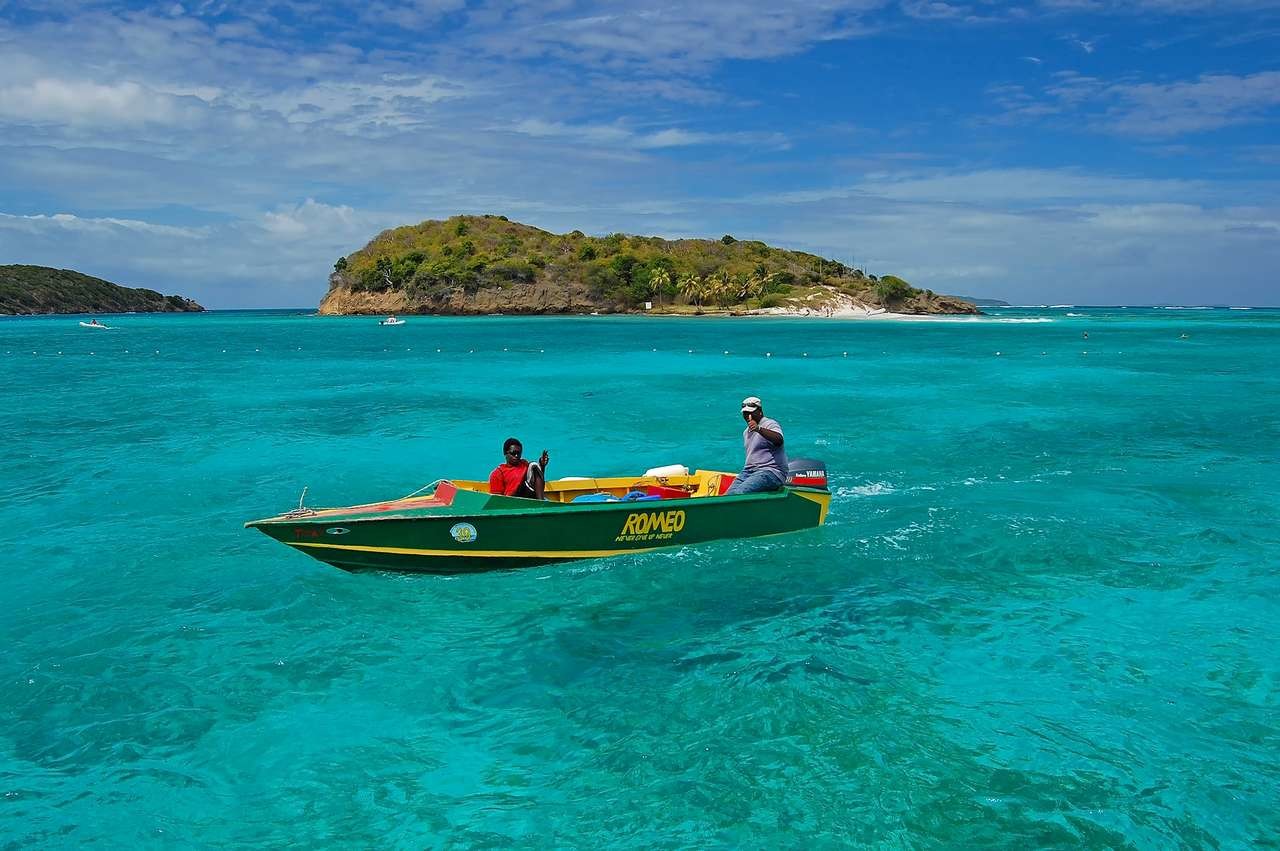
(807, 473)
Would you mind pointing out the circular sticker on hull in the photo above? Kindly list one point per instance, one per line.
(463, 533)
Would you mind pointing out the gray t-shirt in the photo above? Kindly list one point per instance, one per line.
(761, 454)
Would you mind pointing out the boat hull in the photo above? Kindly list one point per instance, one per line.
(469, 532)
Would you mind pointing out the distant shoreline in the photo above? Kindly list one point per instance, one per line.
(310, 312)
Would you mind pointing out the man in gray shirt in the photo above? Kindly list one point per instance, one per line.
(766, 465)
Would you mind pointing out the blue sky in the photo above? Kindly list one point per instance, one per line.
(1059, 151)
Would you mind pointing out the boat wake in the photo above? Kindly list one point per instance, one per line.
(873, 489)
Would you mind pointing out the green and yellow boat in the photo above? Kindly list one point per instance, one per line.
(459, 527)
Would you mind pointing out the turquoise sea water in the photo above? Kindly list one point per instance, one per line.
(1042, 613)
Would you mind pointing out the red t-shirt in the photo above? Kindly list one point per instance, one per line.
(506, 478)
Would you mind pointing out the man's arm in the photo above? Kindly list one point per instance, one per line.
(774, 437)
(495, 481)
(539, 480)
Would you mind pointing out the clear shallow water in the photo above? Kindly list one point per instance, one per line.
(1042, 611)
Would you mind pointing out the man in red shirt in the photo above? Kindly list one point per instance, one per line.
(516, 476)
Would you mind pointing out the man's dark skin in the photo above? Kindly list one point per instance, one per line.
(753, 419)
(539, 481)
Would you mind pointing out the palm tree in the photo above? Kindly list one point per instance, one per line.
(691, 288)
(720, 286)
(659, 280)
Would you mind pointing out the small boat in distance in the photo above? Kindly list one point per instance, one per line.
(93, 323)
(459, 527)
(391, 320)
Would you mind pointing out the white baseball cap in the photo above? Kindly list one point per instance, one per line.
(751, 403)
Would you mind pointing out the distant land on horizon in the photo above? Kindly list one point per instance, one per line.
(33, 290)
(487, 264)
(985, 302)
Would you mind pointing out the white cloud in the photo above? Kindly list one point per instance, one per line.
(614, 34)
(1022, 186)
(618, 135)
(394, 100)
(67, 222)
(1042, 235)
(1167, 7)
(1207, 103)
(82, 102)
(331, 224)
(1199, 7)
(414, 15)
(280, 257)
(934, 10)
(1145, 109)
(1085, 45)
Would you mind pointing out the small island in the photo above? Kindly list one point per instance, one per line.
(474, 265)
(29, 290)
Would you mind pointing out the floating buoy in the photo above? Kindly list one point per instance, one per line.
(997, 354)
(726, 351)
(846, 354)
(768, 354)
(437, 350)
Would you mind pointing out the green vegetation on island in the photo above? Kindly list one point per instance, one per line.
(41, 289)
(488, 264)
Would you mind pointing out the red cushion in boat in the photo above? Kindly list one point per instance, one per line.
(665, 492)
